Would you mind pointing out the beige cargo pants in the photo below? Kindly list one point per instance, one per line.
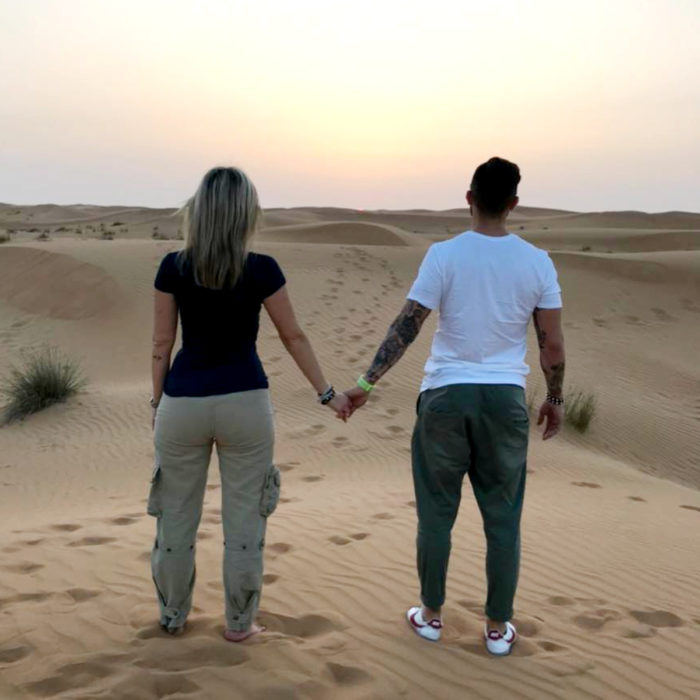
(241, 426)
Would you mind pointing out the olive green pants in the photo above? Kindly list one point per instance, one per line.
(241, 426)
(480, 430)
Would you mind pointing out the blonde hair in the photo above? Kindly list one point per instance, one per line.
(219, 222)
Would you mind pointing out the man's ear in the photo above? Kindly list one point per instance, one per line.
(470, 198)
(514, 203)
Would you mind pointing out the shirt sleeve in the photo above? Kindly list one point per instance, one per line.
(271, 278)
(550, 298)
(427, 288)
(167, 275)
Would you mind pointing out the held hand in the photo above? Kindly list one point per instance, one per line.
(358, 397)
(554, 417)
(340, 403)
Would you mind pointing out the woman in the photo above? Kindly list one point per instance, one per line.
(216, 392)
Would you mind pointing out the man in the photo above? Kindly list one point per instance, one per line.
(472, 416)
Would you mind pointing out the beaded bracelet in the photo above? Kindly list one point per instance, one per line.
(555, 400)
(327, 396)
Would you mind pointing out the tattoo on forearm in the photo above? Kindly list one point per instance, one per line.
(157, 357)
(541, 334)
(402, 332)
(555, 378)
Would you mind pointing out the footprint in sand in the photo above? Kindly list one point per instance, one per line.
(66, 527)
(662, 315)
(280, 548)
(359, 536)
(270, 578)
(596, 619)
(311, 479)
(586, 484)
(347, 675)
(637, 499)
(311, 431)
(26, 567)
(123, 520)
(560, 600)
(657, 618)
(10, 655)
(287, 466)
(303, 627)
(91, 541)
(213, 487)
(337, 539)
(382, 516)
(697, 508)
(80, 595)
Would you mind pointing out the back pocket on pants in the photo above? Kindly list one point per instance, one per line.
(271, 491)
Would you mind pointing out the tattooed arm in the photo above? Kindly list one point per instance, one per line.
(402, 332)
(550, 339)
(164, 332)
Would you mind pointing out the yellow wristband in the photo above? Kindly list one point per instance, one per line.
(364, 384)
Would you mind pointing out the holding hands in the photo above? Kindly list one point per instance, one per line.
(348, 402)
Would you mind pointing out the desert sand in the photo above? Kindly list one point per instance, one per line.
(608, 604)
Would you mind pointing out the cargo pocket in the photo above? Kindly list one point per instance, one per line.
(155, 506)
(271, 492)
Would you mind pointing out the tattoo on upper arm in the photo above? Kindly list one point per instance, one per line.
(541, 333)
(402, 332)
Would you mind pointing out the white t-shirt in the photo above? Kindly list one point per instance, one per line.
(486, 289)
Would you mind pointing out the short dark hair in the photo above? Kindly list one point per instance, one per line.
(494, 185)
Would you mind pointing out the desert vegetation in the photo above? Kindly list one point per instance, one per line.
(42, 379)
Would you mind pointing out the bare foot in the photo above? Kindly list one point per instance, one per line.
(254, 629)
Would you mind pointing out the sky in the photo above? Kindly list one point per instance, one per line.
(364, 104)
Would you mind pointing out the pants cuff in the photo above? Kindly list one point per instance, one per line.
(239, 625)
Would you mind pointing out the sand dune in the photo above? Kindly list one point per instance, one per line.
(608, 604)
(55, 285)
(335, 233)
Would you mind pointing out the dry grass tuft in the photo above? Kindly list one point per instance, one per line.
(44, 378)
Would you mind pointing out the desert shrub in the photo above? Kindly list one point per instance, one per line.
(579, 409)
(117, 223)
(61, 229)
(107, 235)
(585, 248)
(44, 378)
(522, 228)
(43, 236)
(4, 237)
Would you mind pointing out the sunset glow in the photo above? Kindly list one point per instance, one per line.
(362, 104)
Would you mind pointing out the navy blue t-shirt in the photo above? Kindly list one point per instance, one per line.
(219, 328)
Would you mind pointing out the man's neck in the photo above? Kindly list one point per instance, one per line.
(489, 226)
